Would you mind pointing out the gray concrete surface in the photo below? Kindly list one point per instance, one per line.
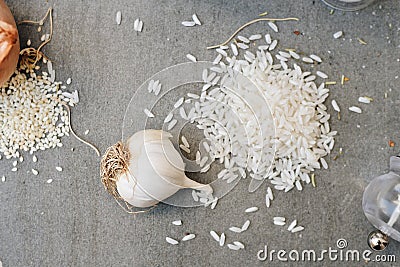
(74, 222)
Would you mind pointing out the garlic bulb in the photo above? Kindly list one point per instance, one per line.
(146, 170)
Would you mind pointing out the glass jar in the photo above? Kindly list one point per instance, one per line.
(348, 5)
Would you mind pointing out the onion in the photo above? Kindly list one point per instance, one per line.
(9, 43)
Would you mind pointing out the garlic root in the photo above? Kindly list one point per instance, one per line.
(145, 170)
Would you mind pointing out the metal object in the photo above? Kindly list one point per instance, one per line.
(381, 201)
(378, 241)
(348, 5)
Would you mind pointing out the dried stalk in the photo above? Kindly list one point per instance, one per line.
(248, 24)
(28, 51)
(72, 130)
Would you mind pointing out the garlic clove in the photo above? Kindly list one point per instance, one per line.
(133, 195)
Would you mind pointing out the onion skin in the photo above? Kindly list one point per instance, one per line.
(9, 43)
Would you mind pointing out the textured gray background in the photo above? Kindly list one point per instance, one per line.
(74, 222)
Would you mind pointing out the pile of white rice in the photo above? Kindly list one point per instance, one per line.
(278, 130)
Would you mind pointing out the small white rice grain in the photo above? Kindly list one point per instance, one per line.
(335, 105)
(355, 109)
(243, 39)
(365, 100)
(267, 200)
(298, 185)
(196, 19)
(69, 81)
(206, 146)
(148, 113)
(177, 223)
(217, 59)
(242, 46)
(194, 96)
(191, 58)
(222, 240)
(214, 203)
(140, 26)
(235, 229)
(49, 181)
(255, 37)
(284, 54)
(171, 124)
(188, 23)
(14, 169)
(239, 244)
(322, 75)
(136, 25)
(58, 168)
(188, 237)
(297, 229)
(182, 112)
(3, 179)
(185, 142)
(268, 38)
(150, 87)
(184, 148)
(270, 194)
(251, 209)
(279, 219)
(246, 225)
(307, 60)
(15, 163)
(204, 75)
(324, 164)
(203, 161)
(205, 169)
(179, 102)
(280, 223)
(34, 158)
(171, 241)
(195, 196)
(234, 49)
(337, 35)
(35, 172)
(292, 225)
(233, 247)
(169, 117)
(273, 26)
(316, 58)
(222, 52)
(214, 235)
(118, 17)
(294, 54)
(273, 45)
(198, 157)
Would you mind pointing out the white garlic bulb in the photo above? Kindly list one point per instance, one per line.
(146, 170)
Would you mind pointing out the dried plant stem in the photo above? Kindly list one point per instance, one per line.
(47, 40)
(72, 130)
(247, 24)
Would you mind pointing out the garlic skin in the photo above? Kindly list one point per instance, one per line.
(9, 43)
(155, 170)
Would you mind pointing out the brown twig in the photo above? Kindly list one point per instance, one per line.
(247, 24)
